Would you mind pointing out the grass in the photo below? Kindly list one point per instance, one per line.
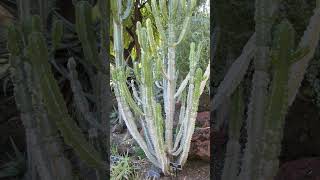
(123, 168)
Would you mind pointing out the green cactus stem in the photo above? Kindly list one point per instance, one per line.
(282, 57)
(43, 155)
(57, 111)
(86, 34)
(231, 163)
(57, 32)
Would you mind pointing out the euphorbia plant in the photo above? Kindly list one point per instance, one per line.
(156, 69)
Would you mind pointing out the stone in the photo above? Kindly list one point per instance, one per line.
(200, 144)
(303, 169)
(203, 119)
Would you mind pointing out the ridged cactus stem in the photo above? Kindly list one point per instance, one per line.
(79, 98)
(282, 56)
(57, 111)
(129, 119)
(309, 39)
(24, 102)
(24, 9)
(193, 102)
(171, 87)
(44, 149)
(53, 146)
(232, 157)
(256, 110)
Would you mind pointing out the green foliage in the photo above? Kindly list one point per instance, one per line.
(199, 33)
(122, 169)
(140, 153)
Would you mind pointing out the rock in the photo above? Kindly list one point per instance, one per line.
(200, 144)
(301, 132)
(203, 119)
(303, 169)
(205, 102)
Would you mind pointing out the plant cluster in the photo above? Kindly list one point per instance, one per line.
(157, 70)
(279, 67)
(43, 109)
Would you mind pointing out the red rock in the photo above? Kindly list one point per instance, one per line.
(203, 119)
(200, 144)
(303, 169)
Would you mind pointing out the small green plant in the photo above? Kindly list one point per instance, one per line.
(123, 166)
(139, 152)
(122, 169)
(114, 116)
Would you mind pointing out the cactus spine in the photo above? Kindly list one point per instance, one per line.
(157, 70)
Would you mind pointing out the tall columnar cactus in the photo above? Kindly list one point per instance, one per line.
(45, 158)
(53, 100)
(260, 159)
(157, 69)
(96, 62)
(283, 55)
(256, 110)
(30, 48)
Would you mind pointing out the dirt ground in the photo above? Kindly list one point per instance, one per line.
(194, 170)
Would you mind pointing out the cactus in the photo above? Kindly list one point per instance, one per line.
(263, 19)
(282, 57)
(309, 39)
(43, 155)
(27, 42)
(231, 164)
(260, 159)
(158, 70)
(85, 33)
(277, 101)
(54, 102)
(48, 105)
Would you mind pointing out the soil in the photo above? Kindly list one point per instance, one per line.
(193, 170)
